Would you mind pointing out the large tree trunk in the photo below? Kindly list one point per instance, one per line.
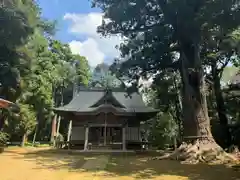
(196, 121)
(198, 143)
(225, 138)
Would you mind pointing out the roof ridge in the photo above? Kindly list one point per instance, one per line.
(99, 89)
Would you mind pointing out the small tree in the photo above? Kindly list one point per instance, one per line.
(103, 76)
(27, 121)
(163, 131)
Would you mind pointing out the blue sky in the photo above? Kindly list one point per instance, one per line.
(77, 23)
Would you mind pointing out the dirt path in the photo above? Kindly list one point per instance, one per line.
(14, 165)
(29, 164)
(99, 163)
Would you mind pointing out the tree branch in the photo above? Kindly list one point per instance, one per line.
(220, 70)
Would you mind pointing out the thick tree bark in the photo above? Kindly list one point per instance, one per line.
(198, 144)
(178, 110)
(196, 121)
(225, 139)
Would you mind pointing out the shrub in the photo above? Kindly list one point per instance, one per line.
(3, 138)
(163, 131)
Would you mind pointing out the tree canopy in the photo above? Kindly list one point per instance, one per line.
(35, 69)
(182, 36)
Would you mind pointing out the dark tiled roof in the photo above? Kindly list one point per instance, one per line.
(85, 99)
(132, 102)
(82, 101)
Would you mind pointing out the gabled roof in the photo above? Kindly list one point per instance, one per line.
(108, 98)
(94, 99)
(82, 101)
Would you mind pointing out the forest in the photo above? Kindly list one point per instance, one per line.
(189, 50)
(35, 70)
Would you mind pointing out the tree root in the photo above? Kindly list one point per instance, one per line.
(202, 151)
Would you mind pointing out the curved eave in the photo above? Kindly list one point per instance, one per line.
(9, 105)
(5, 103)
(93, 111)
(143, 114)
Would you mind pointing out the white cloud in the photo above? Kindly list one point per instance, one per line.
(95, 48)
(89, 49)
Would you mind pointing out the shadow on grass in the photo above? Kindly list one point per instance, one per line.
(133, 165)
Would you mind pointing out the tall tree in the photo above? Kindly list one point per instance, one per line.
(217, 53)
(166, 27)
(18, 20)
(103, 77)
(82, 69)
(165, 95)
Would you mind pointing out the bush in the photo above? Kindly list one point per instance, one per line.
(3, 138)
(163, 131)
(59, 138)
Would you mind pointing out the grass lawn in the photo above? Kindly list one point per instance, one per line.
(46, 164)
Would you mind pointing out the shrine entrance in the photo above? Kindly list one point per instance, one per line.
(105, 135)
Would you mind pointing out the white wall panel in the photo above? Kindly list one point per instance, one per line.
(78, 133)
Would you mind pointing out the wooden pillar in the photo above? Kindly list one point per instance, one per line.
(69, 130)
(105, 129)
(53, 132)
(58, 125)
(124, 138)
(86, 138)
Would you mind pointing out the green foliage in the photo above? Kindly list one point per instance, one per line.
(102, 76)
(19, 19)
(156, 30)
(163, 131)
(228, 73)
(26, 119)
(3, 138)
(165, 128)
(35, 70)
(179, 36)
(82, 69)
(36, 144)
